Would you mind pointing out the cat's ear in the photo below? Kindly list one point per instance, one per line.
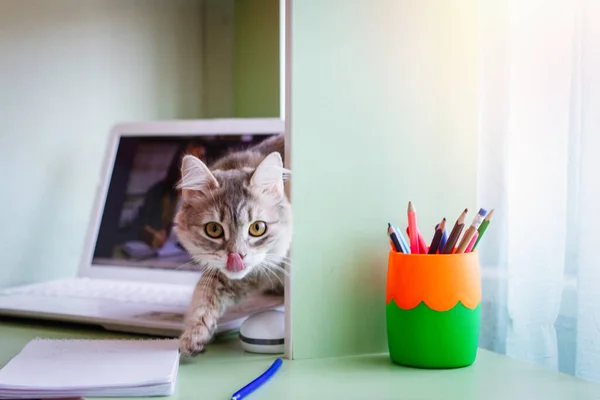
(268, 176)
(196, 178)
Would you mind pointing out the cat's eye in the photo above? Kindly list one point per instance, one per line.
(257, 228)
(214, 230)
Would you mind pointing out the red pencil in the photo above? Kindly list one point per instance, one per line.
(420, 241)
(412, 229)
(423, 248)
(472, 242)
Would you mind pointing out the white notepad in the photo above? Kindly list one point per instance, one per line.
(48, 368)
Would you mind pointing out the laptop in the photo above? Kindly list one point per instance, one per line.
(134, 276)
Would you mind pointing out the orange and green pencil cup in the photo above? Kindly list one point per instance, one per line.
(433, 309)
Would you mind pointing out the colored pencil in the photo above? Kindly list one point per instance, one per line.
(437, 237)
(483, 227)
(403, 243)
(394, 238)
(455, 233)
(412, 229)
(472, 242)
(443, 240)
(408, 233)
(423, 248)
(466, 239)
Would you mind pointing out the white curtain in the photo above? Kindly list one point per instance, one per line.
(539, 168)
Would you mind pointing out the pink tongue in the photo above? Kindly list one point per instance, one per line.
(234, 262)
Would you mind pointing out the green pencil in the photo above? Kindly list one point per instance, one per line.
(483, 227)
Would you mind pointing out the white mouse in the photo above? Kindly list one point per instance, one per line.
(264, 332)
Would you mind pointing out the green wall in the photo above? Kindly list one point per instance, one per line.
(383, 112)
(256, 58)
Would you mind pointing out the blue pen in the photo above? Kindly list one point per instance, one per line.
(444, 239)
(258, 382)
(403, 243)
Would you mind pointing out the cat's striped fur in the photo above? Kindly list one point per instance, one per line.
(238, 190)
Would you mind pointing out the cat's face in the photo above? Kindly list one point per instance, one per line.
(236, 221)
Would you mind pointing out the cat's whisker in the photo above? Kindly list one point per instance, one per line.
(266, 272)
(274, 262)
(281, 263)
(278, 275)
(277, 261)
(279, 256)
(269, 270)
(211, 274)
(185, 265)
(197, 266)
(278, 278)
(275, 267)
(284, 257)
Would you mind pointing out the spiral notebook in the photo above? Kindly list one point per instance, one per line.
(48, 368)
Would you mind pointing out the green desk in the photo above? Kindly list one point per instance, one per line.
(225, 367)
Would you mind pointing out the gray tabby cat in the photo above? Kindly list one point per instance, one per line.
(235, 220)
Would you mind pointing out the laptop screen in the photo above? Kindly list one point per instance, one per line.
(136, 223)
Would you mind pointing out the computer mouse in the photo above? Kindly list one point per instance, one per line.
(263, 332)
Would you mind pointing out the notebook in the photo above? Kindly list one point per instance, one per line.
(48, 368)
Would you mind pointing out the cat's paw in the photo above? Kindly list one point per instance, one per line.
(193, 340)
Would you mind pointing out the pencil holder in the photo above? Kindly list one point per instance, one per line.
(433, 309)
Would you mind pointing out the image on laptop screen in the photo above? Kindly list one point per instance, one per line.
(136, 223)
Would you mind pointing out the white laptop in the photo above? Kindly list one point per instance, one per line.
(124, 283)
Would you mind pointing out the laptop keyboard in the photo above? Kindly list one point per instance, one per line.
(120, 291)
